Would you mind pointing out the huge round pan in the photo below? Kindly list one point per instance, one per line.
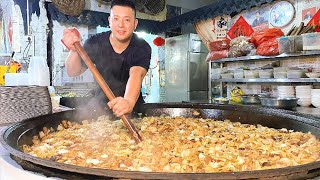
(21, 133)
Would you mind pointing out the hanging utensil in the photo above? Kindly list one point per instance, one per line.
(104, 86)
(10, 62)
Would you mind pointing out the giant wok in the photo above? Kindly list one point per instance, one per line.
(21, 133)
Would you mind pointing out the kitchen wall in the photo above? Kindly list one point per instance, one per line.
(39, 33)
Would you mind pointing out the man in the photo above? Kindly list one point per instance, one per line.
(307, 16)
(120, 56)
(259, 20)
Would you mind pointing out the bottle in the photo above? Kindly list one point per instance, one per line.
(39, 71)
(52, 91)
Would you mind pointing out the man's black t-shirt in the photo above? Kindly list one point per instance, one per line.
(115, 67)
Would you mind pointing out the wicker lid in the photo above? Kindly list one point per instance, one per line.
(70, 7)
(23, 102)
(155, 7)
(150, 6)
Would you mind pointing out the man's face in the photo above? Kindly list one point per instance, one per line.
(122, 22)
(308, 13)
(257, 15)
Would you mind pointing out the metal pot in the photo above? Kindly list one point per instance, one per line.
(250, 99)
(277, 102)
(22, 133)
(221, 100)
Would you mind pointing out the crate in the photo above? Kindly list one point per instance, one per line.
(290, 44)
(286, 44)
(311, 41)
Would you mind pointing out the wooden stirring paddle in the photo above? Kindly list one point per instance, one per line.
(104, 86)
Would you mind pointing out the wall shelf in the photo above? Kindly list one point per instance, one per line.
(271, 80)
(281, 56)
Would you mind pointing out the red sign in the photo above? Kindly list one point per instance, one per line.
(315, 21)
(10, 32)
(240, 28)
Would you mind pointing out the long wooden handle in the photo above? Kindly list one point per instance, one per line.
(104, 86)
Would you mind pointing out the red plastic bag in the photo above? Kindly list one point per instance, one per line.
(214, 55)
(268, 48)
(219, 45)
(261, 36)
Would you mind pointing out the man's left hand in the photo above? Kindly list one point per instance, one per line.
(120, 106)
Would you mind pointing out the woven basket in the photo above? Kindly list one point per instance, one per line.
(23, 102)
(150, 6)
(70, 7)
(155, 7)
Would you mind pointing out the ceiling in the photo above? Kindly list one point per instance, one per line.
(190, 4)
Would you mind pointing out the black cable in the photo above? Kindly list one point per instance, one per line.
(23, 54)
(28, 48)
(155, 66)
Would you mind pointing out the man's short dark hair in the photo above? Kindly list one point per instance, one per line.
(125, 3)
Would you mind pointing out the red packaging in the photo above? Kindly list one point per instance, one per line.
(268, 48)
(261, 36)
(214, 55)
(219, 45)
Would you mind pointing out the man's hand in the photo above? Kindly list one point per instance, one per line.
(121, 106)
(70, 36)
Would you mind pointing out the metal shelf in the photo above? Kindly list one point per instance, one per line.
(284, 56)
(255, 58)
(271, 80)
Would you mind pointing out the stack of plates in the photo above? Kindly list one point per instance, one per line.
(315, 97)
(285, 91)
(304, 95)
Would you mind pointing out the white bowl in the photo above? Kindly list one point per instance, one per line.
(316, 105)
(304, 98)
(279, 74)
(317, 91)
(285, 87)
(215, 76)
(303, 87)
(295, 74)
(306, 93)
(303, 90)
(266, 73)
(251, 74)
(227, 76)
(280, 69)
(316, 101)
(313, 75)
(239, 73)
(304, 103)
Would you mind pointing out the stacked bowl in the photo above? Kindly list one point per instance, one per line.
(315, 97)
(285, 91)
(304, 95)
